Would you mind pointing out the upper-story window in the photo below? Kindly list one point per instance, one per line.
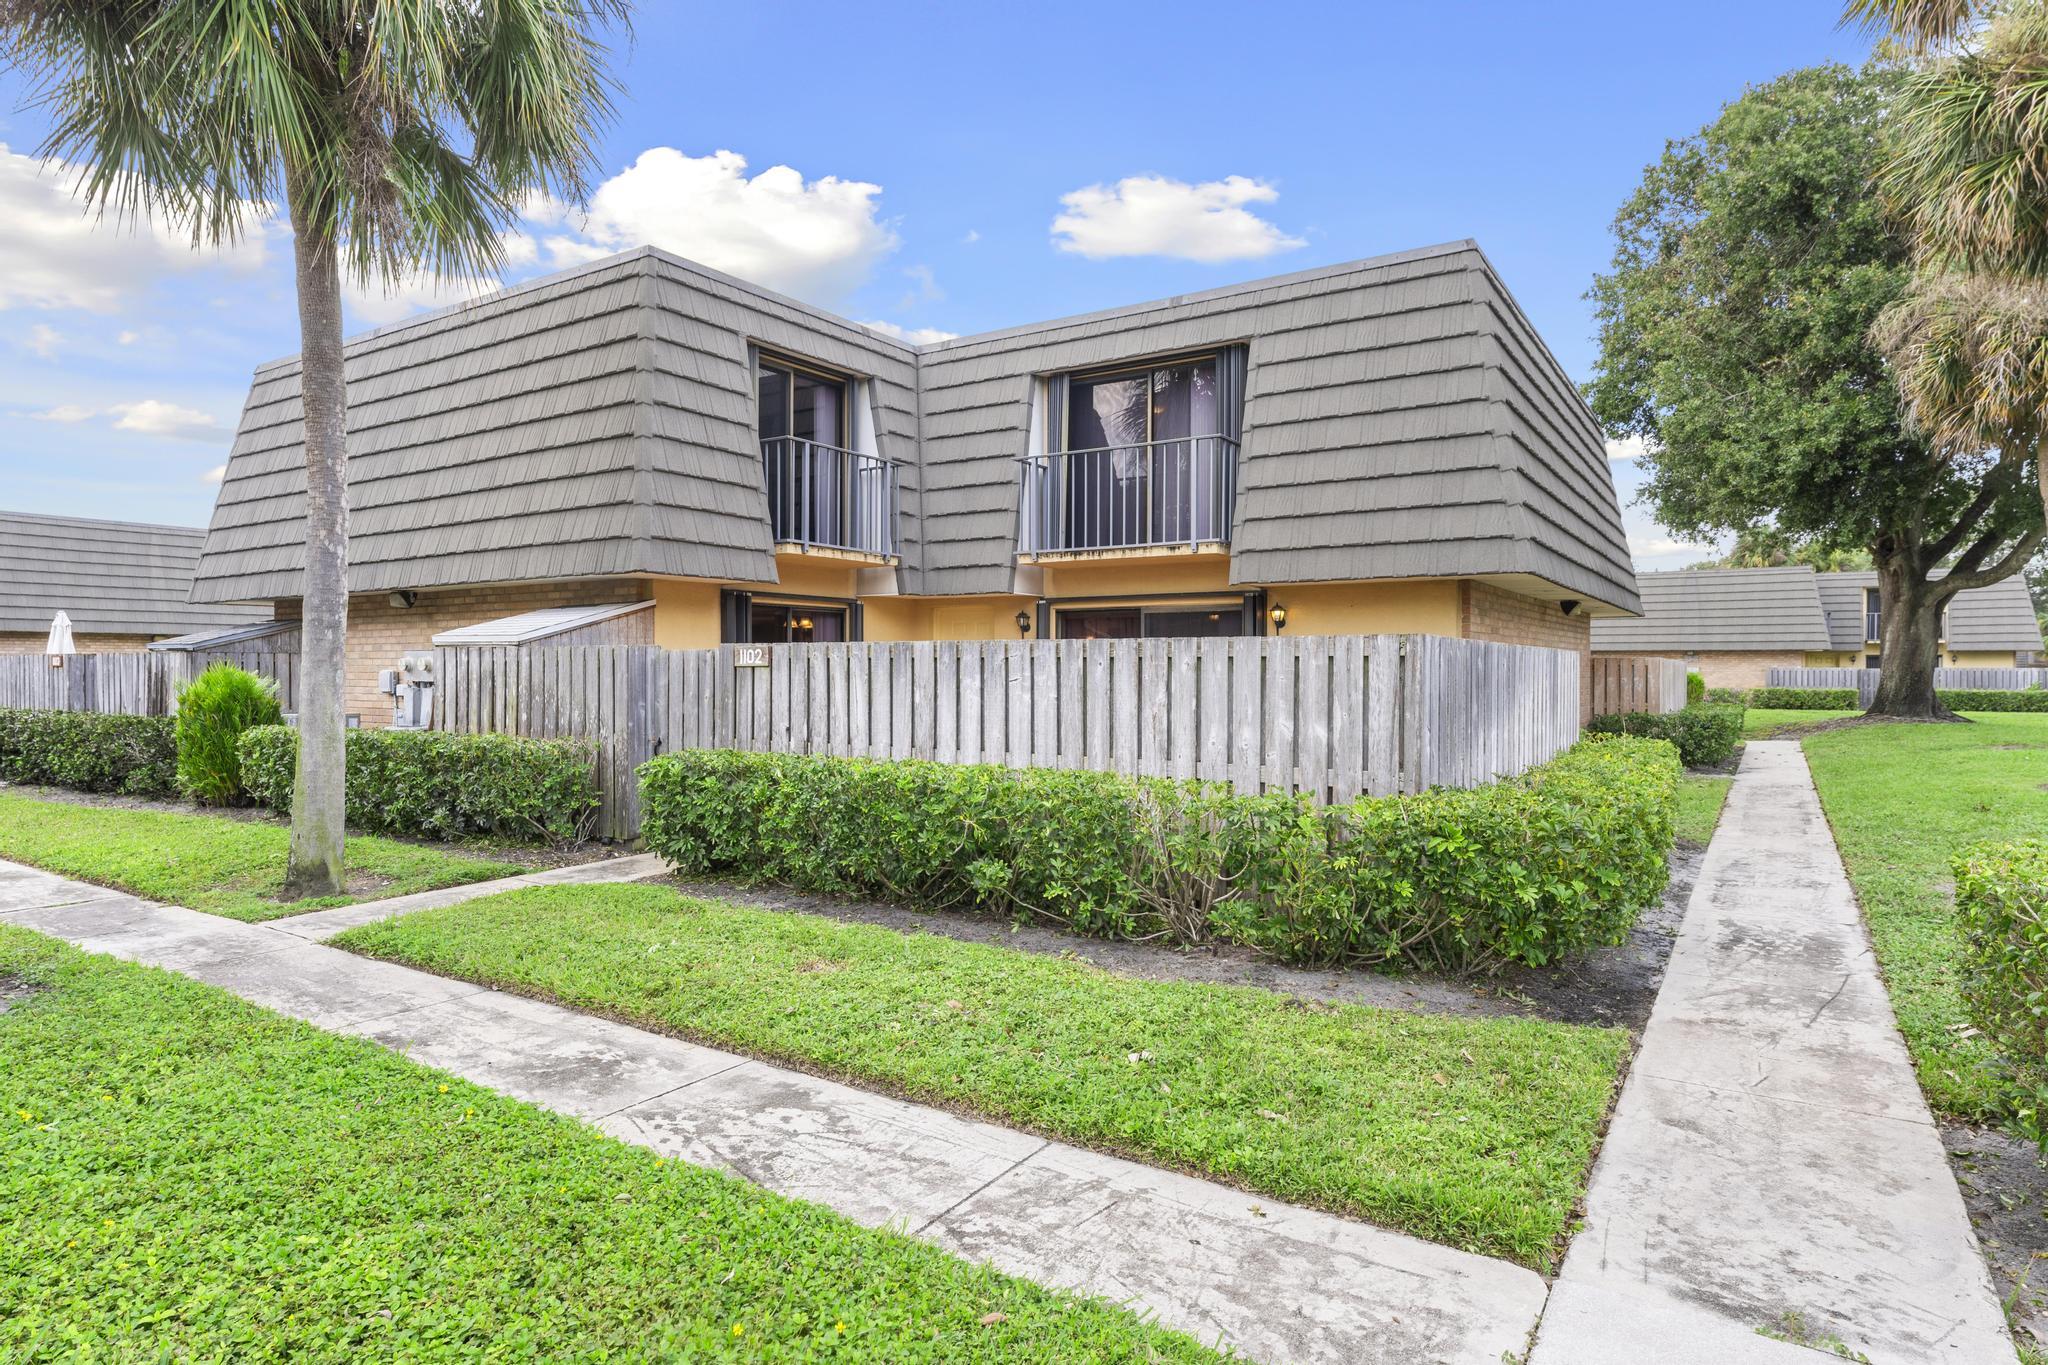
(1136, 455)
(822, 492)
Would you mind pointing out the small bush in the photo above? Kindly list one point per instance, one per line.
(1727, 696)
(1985, 699)
(1805, 699)
(213, 711)
(1526, 870)
(132, 755)
(442, 786)
(1695, 689)
(1705, 735)
(2002, 911)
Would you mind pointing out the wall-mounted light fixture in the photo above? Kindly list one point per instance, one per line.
(1023, 623)
(1278, 616)
(404, 599)
(804, 624)
(1569, 605)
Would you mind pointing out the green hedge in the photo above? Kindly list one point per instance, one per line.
(133, 755)
(1695, 689)
(2002, 911)
(1705, 735)
(1804, 699)
(1985, 699)
(441, 786)
(1527, 870)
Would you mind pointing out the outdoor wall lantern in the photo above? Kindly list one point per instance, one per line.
(1023, 623)
(405, 599)
(1278, 615)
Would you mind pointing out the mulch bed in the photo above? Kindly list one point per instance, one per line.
(2005, 1189)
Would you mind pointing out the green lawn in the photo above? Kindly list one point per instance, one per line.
(1902, 798)
(1476, 1133)
(184, 1176)
(1763, 723)
(208, 862)
(1699, 805)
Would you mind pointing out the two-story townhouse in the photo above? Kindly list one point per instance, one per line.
(122, 584)
(1380, 446)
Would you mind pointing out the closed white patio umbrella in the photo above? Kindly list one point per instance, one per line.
(60, 640)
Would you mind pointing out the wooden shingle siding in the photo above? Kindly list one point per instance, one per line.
(1401, 419)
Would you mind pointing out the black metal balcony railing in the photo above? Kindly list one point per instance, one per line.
(1173, 492)
(833, 499)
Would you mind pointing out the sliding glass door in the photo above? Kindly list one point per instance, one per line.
(1133, 477)
(804, 430)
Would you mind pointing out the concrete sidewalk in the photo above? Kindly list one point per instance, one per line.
(1277, 1283)
(321, 925)
(1771, 1164)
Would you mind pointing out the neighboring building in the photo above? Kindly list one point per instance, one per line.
(1381, 446)
(123, 583)
(1734, 625)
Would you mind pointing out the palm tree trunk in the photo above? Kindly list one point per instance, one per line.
(1911, 643)
(319, 806)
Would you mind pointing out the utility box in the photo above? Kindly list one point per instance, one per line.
(411, 689)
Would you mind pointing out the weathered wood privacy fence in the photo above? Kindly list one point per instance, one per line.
(1637, 682)
(1337, 717)
(1864, 680)
(140, 684)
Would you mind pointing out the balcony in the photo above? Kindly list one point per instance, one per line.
(823, 498)
(1175, 492)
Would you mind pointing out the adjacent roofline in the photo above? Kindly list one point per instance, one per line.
(224, 635)
(909, 348)
(100, 521)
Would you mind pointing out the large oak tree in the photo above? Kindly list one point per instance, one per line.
(1736, 338)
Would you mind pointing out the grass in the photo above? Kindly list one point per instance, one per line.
(225, 867)
(1699, 805)
(1764, 723)
(1472, 1132)
(1902, 799)
(186, 1176)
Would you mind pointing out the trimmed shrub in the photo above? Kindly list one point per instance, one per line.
(2002, 912)
(1805, 698)
(1695, 689)
(1726, 696)
(213, 711)
(132, 755)
(1527, 870)
(442, 786)
(1985, 699)
(1705, 735)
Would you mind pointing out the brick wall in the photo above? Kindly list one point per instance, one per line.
(1743, 668)
(1489, 613)
(27, 642)
(378, 632)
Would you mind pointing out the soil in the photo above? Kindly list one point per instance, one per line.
(1610, 986)
(2005, 1189)
(14, 990)
(537, 857)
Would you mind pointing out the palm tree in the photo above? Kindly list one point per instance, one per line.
(398, 136)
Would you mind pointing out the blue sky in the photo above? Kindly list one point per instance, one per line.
(944, 167)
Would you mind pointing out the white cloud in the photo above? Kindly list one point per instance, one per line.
(129, 338)
(924, 286)
(153, 417)
(1149, 215)
(63, 412)
(1627, 448)
(215, 474)
(817, 239)
(43, 339)
(971, 238)
(58, 255)
(916, 336)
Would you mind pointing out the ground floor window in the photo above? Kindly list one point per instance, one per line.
(778, 623)
(1873, 661)
(1150, 623)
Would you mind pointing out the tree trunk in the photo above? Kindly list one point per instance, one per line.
(1911, 642)
(319, 806)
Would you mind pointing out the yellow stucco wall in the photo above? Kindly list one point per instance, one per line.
(1425, 607)
(685, 614)
(1981, 658)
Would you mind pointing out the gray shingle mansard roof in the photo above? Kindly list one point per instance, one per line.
(1796, 608)
(1721, 609)
(1402, 419)
(111, 577)
(1998, 617)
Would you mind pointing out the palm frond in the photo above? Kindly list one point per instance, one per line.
(1919, 25)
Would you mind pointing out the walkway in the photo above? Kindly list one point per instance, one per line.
(1278, 1283)
(1771, 1163)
